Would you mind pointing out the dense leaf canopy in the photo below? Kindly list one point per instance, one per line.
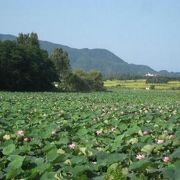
(25, 67)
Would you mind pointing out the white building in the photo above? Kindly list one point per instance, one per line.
(150, 75)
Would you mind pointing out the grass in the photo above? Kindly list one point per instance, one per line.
(140, 84)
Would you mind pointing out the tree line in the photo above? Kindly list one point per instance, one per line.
(161, 79)
(24, 66)
(149, 79)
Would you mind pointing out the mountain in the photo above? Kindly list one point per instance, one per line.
(4, 37)
(169, 74)
(99, 59)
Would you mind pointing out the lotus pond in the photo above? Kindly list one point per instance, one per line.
(109, 135)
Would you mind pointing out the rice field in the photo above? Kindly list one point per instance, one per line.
(140, 84)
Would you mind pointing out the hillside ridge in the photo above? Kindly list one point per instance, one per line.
(99, 59)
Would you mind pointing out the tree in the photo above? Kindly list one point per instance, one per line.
(24, 66)
(30, 40)
(157, 79)
(76, 83)
(61, 61)
(95, 77)
(85, 81)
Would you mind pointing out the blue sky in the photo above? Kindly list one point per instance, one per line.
(139, 31)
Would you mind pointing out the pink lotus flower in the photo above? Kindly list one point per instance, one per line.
(20, 133)
(72, 146)
(160, 141)
(140, 156)
(166, 159)
(26, 139)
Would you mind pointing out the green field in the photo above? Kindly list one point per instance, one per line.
(125, 134)
(140, 84)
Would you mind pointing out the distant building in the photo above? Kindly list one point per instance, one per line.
(150, 75)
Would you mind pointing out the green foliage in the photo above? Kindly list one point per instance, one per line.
(30, 40)
(24, 66)
(106, 130)
(8, 149)
(61, 61)
(152, 87)
(14, 167)
(140, 165)
(82, 81)
(172, 171)
(140, 84)
(148, 148)
(115, 172)
(157, 79)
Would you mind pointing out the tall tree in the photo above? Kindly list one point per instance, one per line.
(24, 66)
(85, 81)
(61, 61)
(28, 40)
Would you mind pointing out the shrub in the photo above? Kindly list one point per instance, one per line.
(152, 87)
